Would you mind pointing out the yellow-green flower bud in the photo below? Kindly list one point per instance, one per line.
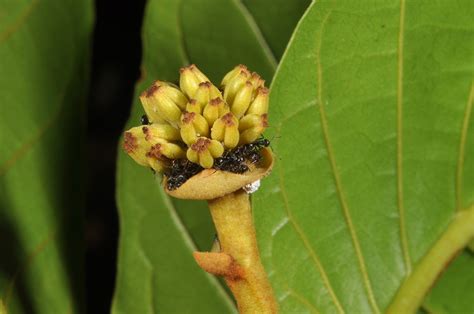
(214, 109)
(159, 105)
(205, 92)
(161, 131)
(225, 129)
(259, 105)
(251, 127)
(233, 73)
(193, 125)
(256, 80)
(136, 146)
(203, 152)
(161, 149)
(189, 80)
(242, 100)
(234, 85)
(193, 106)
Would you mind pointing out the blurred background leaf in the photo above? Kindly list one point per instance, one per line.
(454, 291)
(156, 271)
(44, 57)
(328, 218)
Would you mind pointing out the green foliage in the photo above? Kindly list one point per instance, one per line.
(44, 56)
(364, 99)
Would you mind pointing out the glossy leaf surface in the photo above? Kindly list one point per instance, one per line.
(156, 271)
(44, 57)
(370, 111)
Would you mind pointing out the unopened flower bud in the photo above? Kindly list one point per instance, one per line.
(225, 129)
(193, 125)
(251, 127)
(214, 109)
(256, 80)
(234, 85)
(203, 152)
(259, 105)
(159, 105)
(242, 100)
(233, 73)
(136, 146)
(161, 149)
(160, 131)
(193, 106)
(189, 80)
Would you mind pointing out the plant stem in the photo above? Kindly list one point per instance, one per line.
(413, 290)
(239, 260)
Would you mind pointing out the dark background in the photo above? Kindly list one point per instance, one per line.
(115, 68)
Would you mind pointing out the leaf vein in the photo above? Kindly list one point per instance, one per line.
(258, 33)
(332, 161)
(400, 198)
(12, 28)
(307, 245)
(462, 148)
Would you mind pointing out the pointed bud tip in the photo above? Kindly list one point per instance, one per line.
(228, 119)
(188, 117)
(205, 84)
(155, 152)
(263, 90)
(201, 144)
(216, 101)
(150, 91)
(130, 142)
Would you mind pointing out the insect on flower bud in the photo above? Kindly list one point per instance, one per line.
(193, 125)
(189, 80)
(214, 109)
(242, 99)
(260, 104)
(251, 127)
(203, 152)
(225, 129)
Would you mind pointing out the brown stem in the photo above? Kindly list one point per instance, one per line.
(239, 260)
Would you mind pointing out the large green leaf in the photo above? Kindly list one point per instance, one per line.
(368, 95)
(44, 56)
(156, 270)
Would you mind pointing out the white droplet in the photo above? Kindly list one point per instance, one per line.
(252, 187)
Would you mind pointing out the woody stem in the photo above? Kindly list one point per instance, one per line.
(246, 278)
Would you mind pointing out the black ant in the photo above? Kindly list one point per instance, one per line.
(233, 161)
(144, 120)
(180, 171)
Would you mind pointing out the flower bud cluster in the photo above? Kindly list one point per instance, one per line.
(198, 121)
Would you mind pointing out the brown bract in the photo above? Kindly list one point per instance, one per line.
(211, 183)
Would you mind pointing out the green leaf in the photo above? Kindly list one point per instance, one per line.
(44, 56)
(366, 97)
(454, 292)
(156, 270)
(277, 20)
